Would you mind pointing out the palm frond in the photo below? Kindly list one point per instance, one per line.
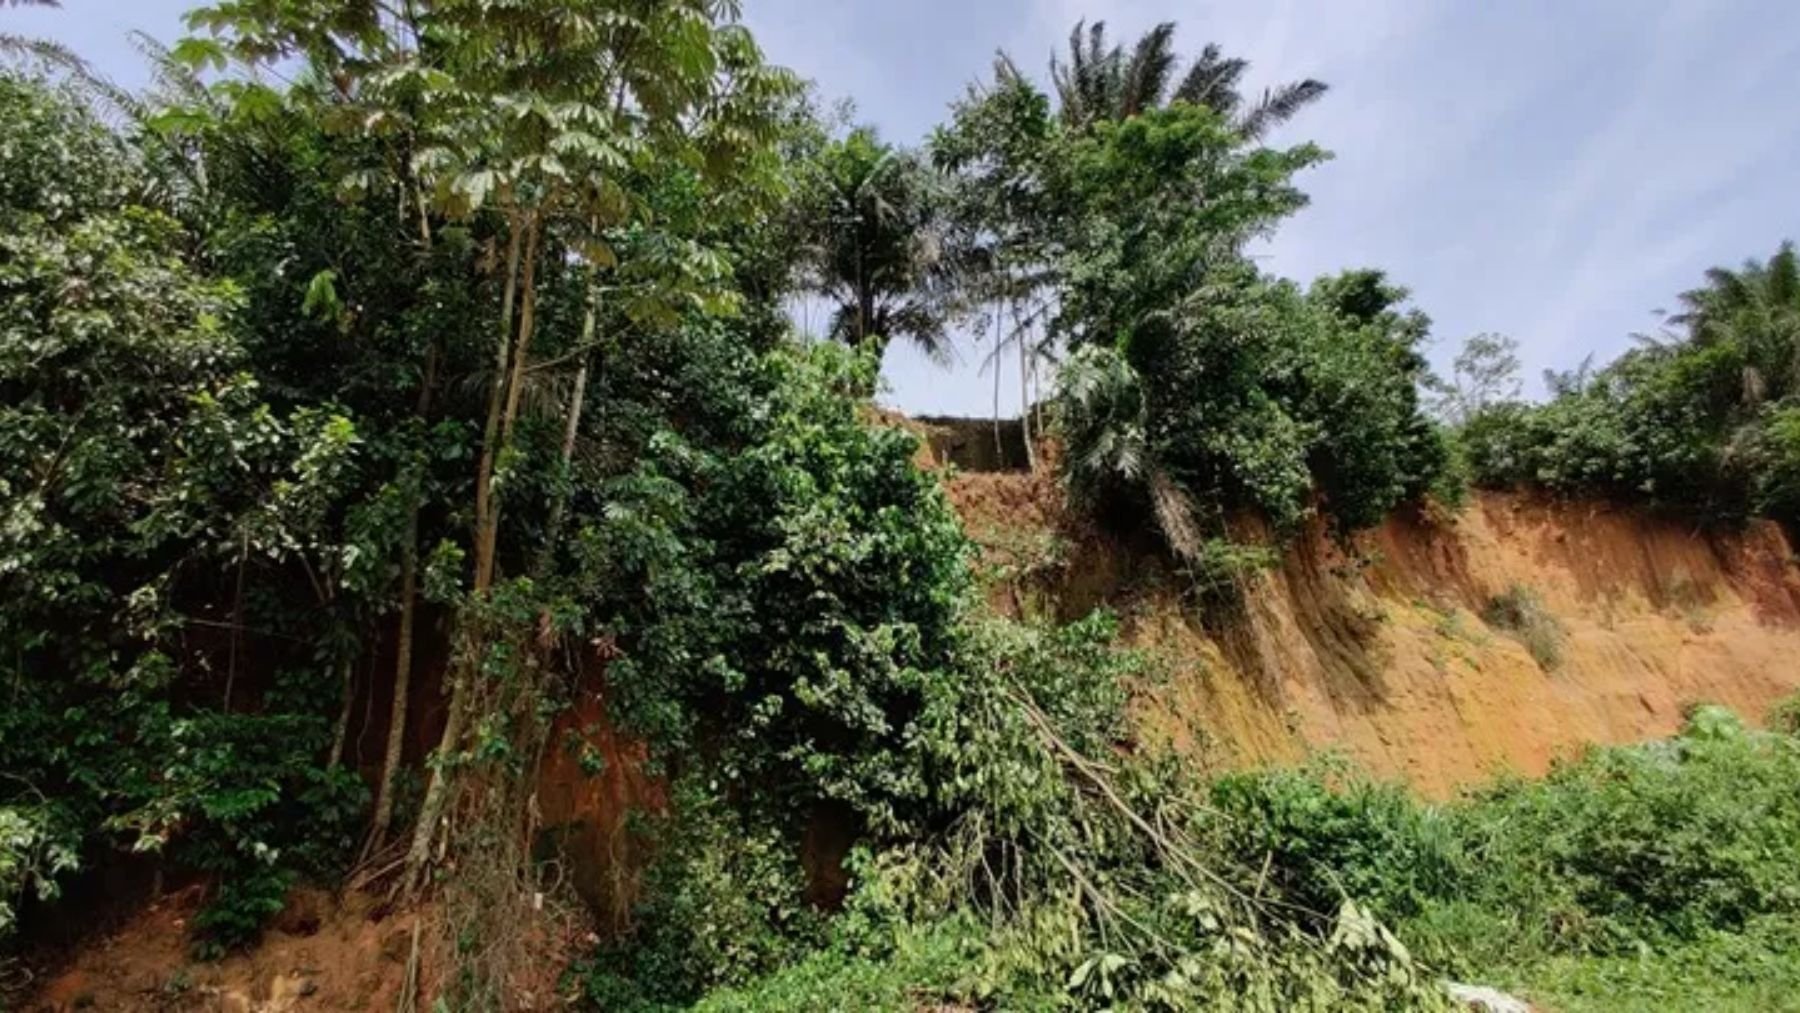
(1212, 81)
(1278, 105)
(1146, 76)
(27, 48)
(172, 79)
(1174, 511)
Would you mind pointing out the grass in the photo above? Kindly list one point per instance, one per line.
(923, 965)
(1521, 613)
(1756, 971)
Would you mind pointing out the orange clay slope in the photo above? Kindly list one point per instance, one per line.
(1379, 650)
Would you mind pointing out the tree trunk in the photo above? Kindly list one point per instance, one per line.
(403, 651)
(403, 640)
(395, 749)
(521, 359)
(999, 444)
(237, 621)
(346, 703)
(1019, 335)
(437, 789)
(571, 429)
(502, 408)
(490, 436)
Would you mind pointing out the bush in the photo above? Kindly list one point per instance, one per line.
(1644, 844)
(723, 903)
(786, 598)
(34, 850)
(1657, 845)
(1784, 717)
(1769, 451)
(1364, 840)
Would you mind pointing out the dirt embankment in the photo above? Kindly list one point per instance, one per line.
(1379, 650)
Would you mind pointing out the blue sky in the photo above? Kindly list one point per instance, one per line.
(1549, 169)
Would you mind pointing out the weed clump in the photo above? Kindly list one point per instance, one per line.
(1521, 613)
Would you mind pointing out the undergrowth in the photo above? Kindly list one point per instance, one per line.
(1645, 877)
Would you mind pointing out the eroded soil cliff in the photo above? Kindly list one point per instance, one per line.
(1379, 650)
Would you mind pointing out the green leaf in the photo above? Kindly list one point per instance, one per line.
(199, 54)
(321, 301)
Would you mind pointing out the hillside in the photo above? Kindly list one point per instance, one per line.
(1378, 650)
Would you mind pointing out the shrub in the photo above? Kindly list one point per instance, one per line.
(1621, 848)
(1364, 840)
(1769, 451)
(1628, 845)
(34, 850)
(787, 597)
(1520, 612)
(723, 903)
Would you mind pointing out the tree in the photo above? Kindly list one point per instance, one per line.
(1154, 207)
(998, 149)
(1757, 310)
(1484, 374)
(537, 120)
(150, 482)
(880, 246)
(1175, 412)
(1105, 83)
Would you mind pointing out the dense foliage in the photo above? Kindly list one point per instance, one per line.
(144, 473)
(1626, 848)
(255, 419)
(1701, 420)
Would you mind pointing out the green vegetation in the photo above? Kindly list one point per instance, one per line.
(1194, 386)
(458, 365)
(1702, 420)
(1631, 878)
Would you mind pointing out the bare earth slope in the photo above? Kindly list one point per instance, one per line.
(1379, 651)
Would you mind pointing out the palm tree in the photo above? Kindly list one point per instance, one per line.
(880, 246)
(1104, 83)
(1108, 451)
(1756, 308)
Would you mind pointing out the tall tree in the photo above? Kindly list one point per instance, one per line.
(879, 245)
(536, 120)
(998, 149)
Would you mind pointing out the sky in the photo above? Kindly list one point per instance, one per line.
(1553, 170)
